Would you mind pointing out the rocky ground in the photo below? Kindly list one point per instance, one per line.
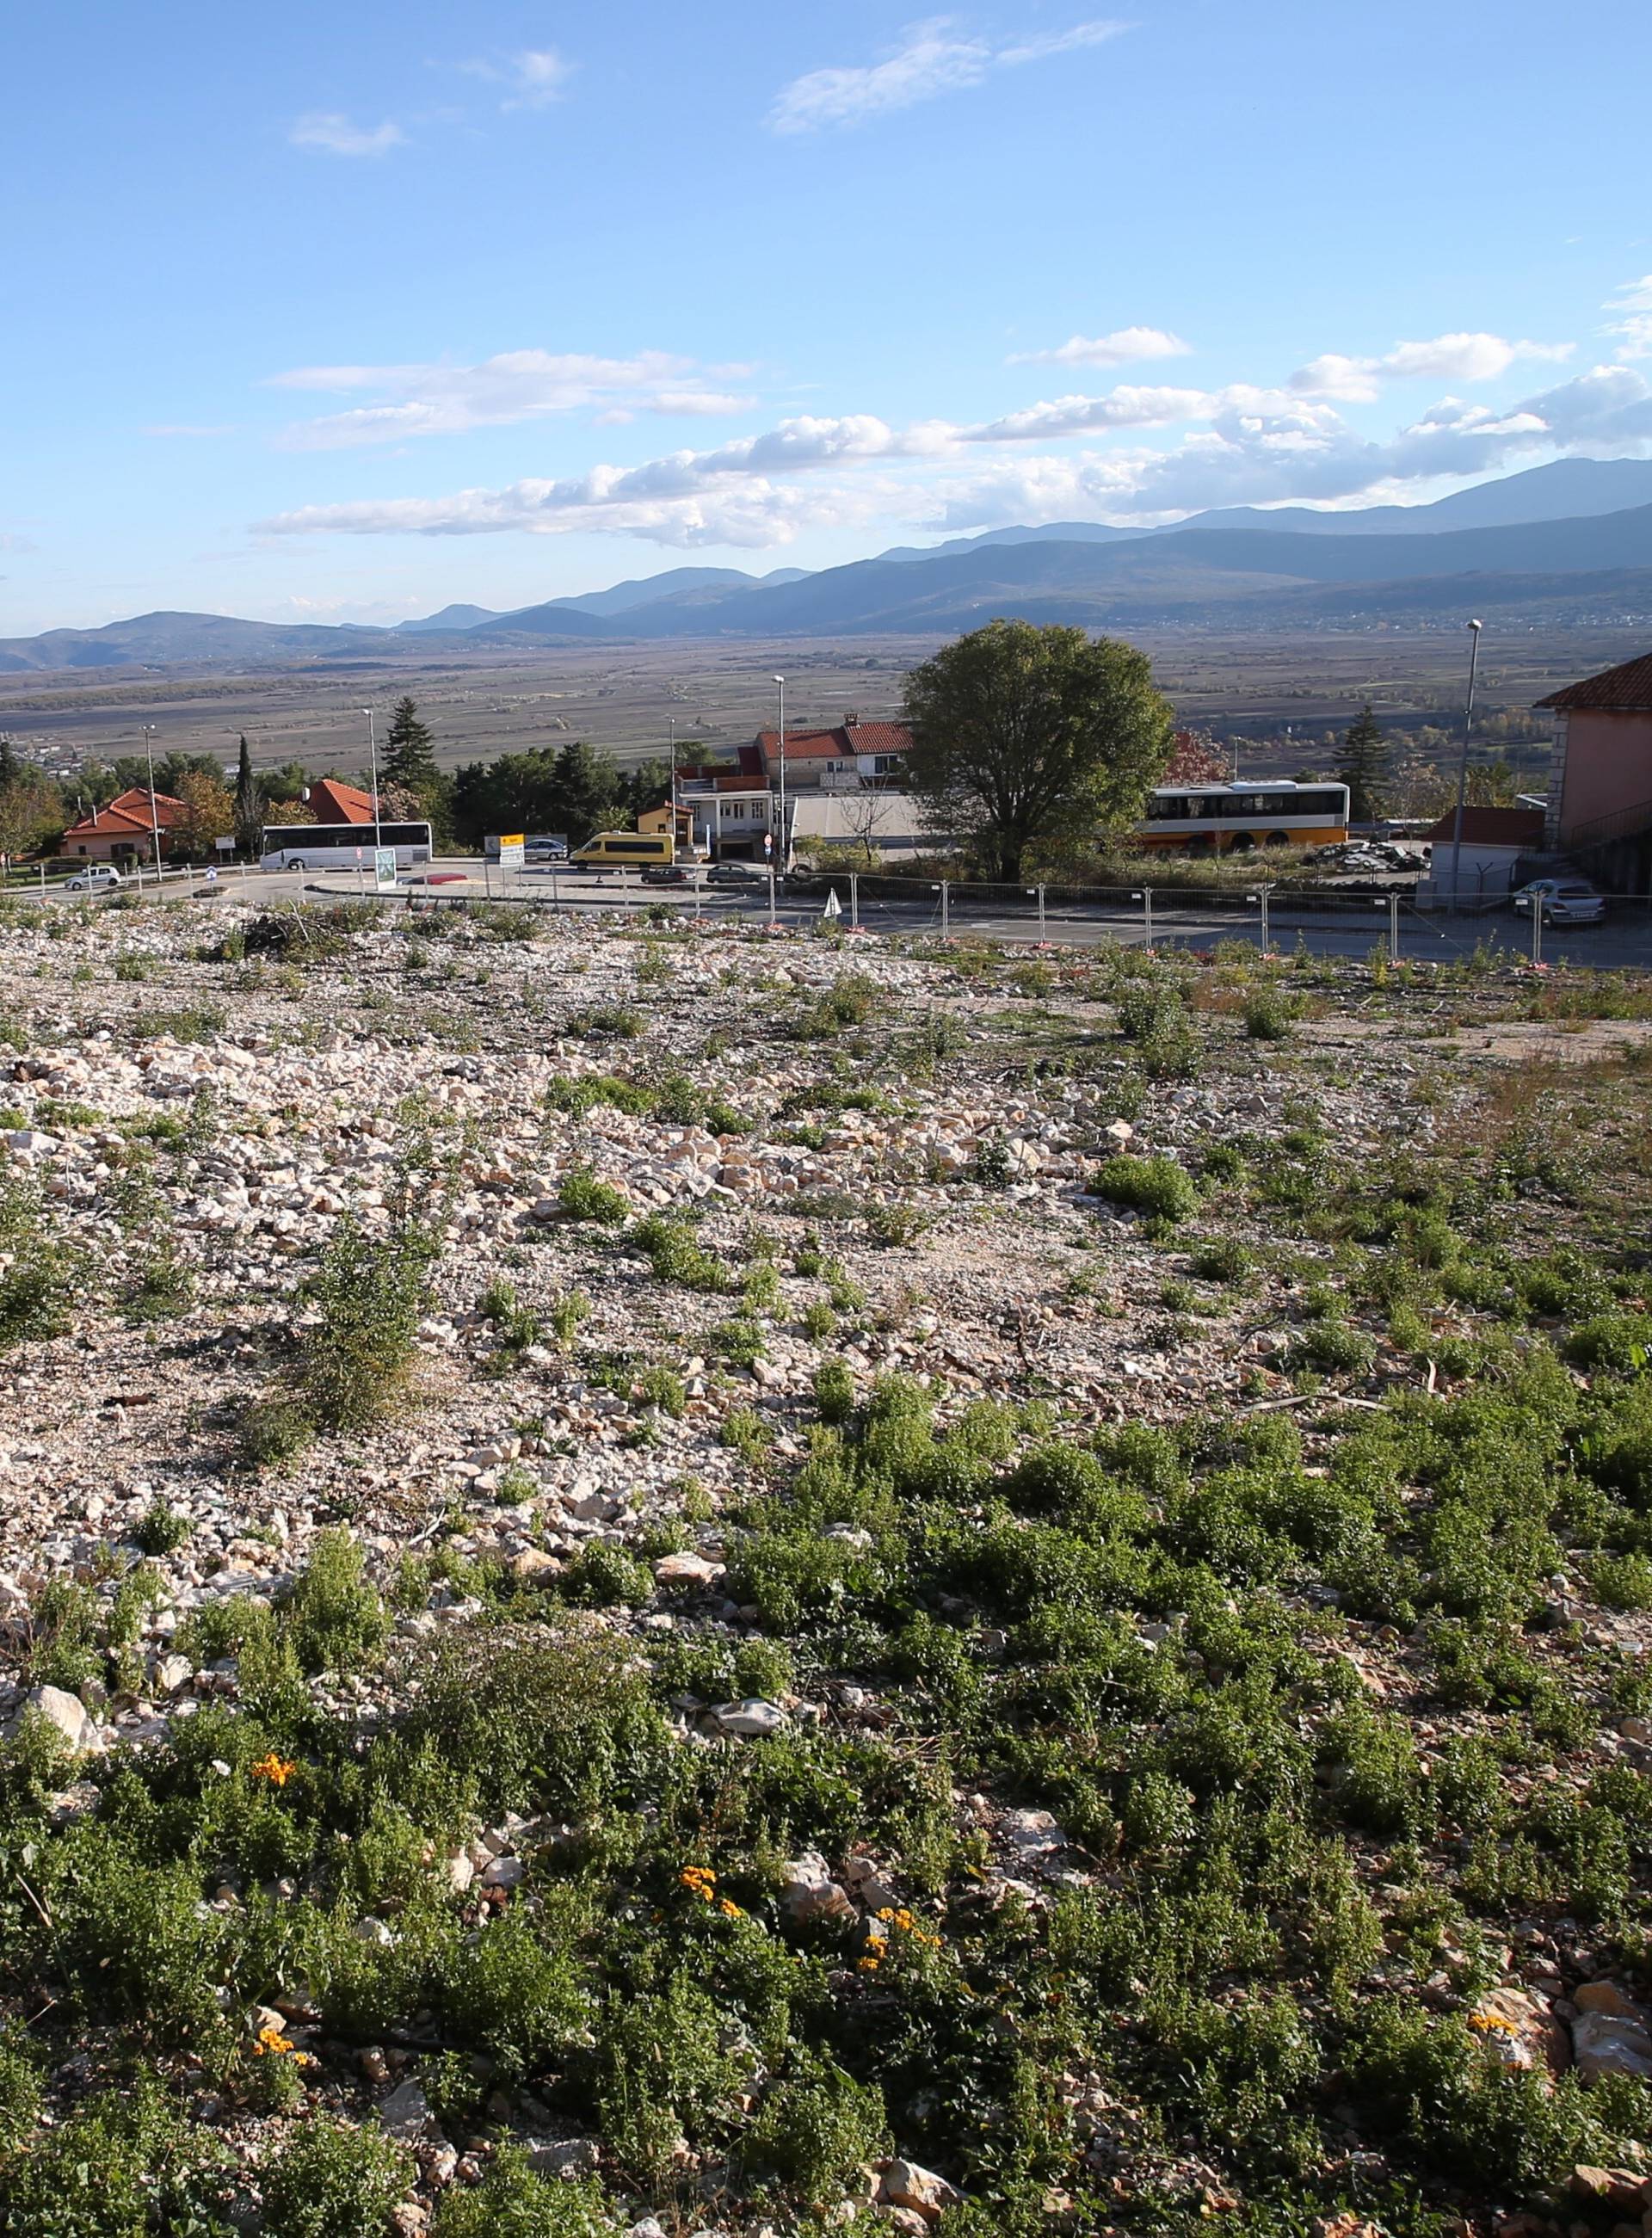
(948, 1167)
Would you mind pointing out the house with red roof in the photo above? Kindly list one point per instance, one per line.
(123, 832)
(846, 757)
(331, 801)
(1600, 786)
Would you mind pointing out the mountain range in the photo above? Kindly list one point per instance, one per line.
(1571, 539)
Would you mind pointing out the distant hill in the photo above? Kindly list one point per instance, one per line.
(1501, 546)
(450, 617)
(1568, 489)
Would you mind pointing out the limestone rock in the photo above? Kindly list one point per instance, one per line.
(918, 2189)
(809, 1892)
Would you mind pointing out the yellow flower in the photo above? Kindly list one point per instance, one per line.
(730, 1911)
(277, 1770)
(868, 1965)
(270, 2040)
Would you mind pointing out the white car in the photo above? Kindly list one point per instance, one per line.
(96, 879)
(1563, 901)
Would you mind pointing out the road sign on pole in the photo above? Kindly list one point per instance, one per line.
(384, 869)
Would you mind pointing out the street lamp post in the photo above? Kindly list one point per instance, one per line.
(148, 730)
(373, 757)
(1463, 769)
(781, 683)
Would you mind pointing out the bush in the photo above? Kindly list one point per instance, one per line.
(1156, 1186)
(834, 1388)
(511, 2202)
(335, 1617)
(159, 1529)
(816, 2127)
(603, 1574)
(370, 1297)
(273, 1432)
(330, 2180)
(1269, 1016)
(582, 1196)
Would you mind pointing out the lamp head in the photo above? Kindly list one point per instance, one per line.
(1476, 626)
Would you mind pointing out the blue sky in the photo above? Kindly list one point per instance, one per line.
(338, 314)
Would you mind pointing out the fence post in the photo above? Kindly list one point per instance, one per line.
(1536, 931)
(1147, 913)
(946, 933)
(854, 901)
(1394, 926)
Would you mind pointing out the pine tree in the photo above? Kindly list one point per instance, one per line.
(10, 767)
(1362, 764)
(410, 750)
(248, 804)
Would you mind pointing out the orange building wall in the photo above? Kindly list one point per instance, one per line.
(1608, 765)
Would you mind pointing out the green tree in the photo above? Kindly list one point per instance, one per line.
(410, 749)
(587, 791)
(1362, 766)
(1025, 736)
(248, 810)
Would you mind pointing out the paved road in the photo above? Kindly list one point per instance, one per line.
(1625, 941)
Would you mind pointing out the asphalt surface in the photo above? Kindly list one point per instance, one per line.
(1353, 926)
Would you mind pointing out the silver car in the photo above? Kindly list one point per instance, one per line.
(1563, 901)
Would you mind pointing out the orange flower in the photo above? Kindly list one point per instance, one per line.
(270, 2041)
(730, 1911)
(277, 1770)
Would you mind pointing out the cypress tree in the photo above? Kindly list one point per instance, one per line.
(1362, 764)
(248, 804)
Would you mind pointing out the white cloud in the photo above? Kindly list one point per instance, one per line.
(335, 134)
(532, 79)
(1247, 445)
(1448, 357)
(935, 58)
(1127, 345)
(516, 385)
(1634, 329)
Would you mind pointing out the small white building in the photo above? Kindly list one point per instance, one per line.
(1494, 842)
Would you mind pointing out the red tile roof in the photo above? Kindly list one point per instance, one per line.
(1626, 689)
(334, 802)
(1491, 827)
(879, 738)
(127, 813)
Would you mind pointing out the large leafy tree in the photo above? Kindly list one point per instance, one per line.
(1362, 766)
(1025, 739)
(208, 813)
(577, 791)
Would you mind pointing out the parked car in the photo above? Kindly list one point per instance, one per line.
(732, 874)
(96, 877)
(1561, 901)
(663, 874)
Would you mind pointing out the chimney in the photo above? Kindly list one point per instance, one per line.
(850, 719)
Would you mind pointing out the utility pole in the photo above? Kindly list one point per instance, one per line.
(372, 758)
(781, 682)
(1463, 768)
(148, 730)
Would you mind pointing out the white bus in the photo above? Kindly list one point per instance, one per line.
(339, 846)
(1206, 819)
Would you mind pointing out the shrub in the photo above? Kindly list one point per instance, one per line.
(35, 1288)
(1156, 1186)
(273, 1432)
(123, 2164)
(1223, 1259)
(1333, 1348)
(335, 1617)
(669, 1242)
(159, 1529)
(662, 1388)
(897, 1225)
(369, 1297)
(582, 1196)
(834, 1388)
(1624, 1581)
(605, 1575)
(511, 2202)
(1269, 1016)
(816, 2127)
(331, 2180)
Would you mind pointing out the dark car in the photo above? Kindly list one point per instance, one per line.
(663, 874)
(732, 874)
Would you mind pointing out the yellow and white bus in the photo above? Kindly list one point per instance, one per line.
(626, 851)
(1220, 819)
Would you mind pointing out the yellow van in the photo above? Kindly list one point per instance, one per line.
(622, 850)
